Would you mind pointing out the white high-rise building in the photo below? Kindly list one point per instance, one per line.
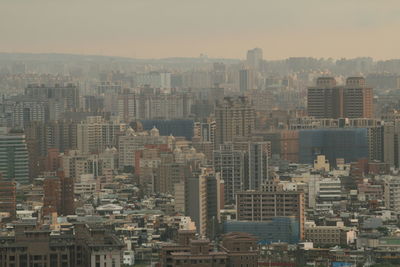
(96, 134)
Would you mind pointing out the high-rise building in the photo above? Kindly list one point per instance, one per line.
(230, 164)
(350, 144)
(357, 99)
(234, 117)
(262, 206)
(53, 134)
(67, 95)
(96, 134)
(14, 159)
(391, 144)
(391, 192)
(258, 157)
(205, 130)
(247, 80)
(58, 194)
(24, 111)
(131, 142)
(127, 107)
(154, 79)
(39, 247)
(202, 200)
(254, 58)
(75, 164)
(51, 195)
(327, 100)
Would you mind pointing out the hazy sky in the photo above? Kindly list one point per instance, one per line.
(187, 28)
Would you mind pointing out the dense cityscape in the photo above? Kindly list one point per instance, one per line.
(199, 162)
(221, 133)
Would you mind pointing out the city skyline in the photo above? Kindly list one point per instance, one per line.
(162, 29)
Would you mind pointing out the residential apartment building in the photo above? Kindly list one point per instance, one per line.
(231, 165)
(81, 246)
(327, 100)
(95, 134)
(234, 117)
(260, 206)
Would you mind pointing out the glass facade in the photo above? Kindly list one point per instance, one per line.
(349, 144)
(279, 229)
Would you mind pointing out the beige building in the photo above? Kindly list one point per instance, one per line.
(330, 235)
(83, 246)
(321, 164)
(96, 134)
(202, 200)
(131, 142)
(392, 193)
(234, 117)
(262, 206)
(327, 100)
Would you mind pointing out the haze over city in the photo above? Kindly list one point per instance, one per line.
(219, 29)
(197, 133)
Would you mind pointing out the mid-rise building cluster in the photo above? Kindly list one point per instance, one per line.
(200, 163)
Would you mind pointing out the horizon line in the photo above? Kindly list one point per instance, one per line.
(201, 56)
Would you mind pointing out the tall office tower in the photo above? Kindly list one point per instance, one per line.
(230, 164)
(264, 206)
(202, 200)
(258, 156)
(357, 99)
(8, 194)
(14, 159)
(68, 95)
(233, 117)
(254, 58)
(247, 80)
(327, 100)
(96, 134)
